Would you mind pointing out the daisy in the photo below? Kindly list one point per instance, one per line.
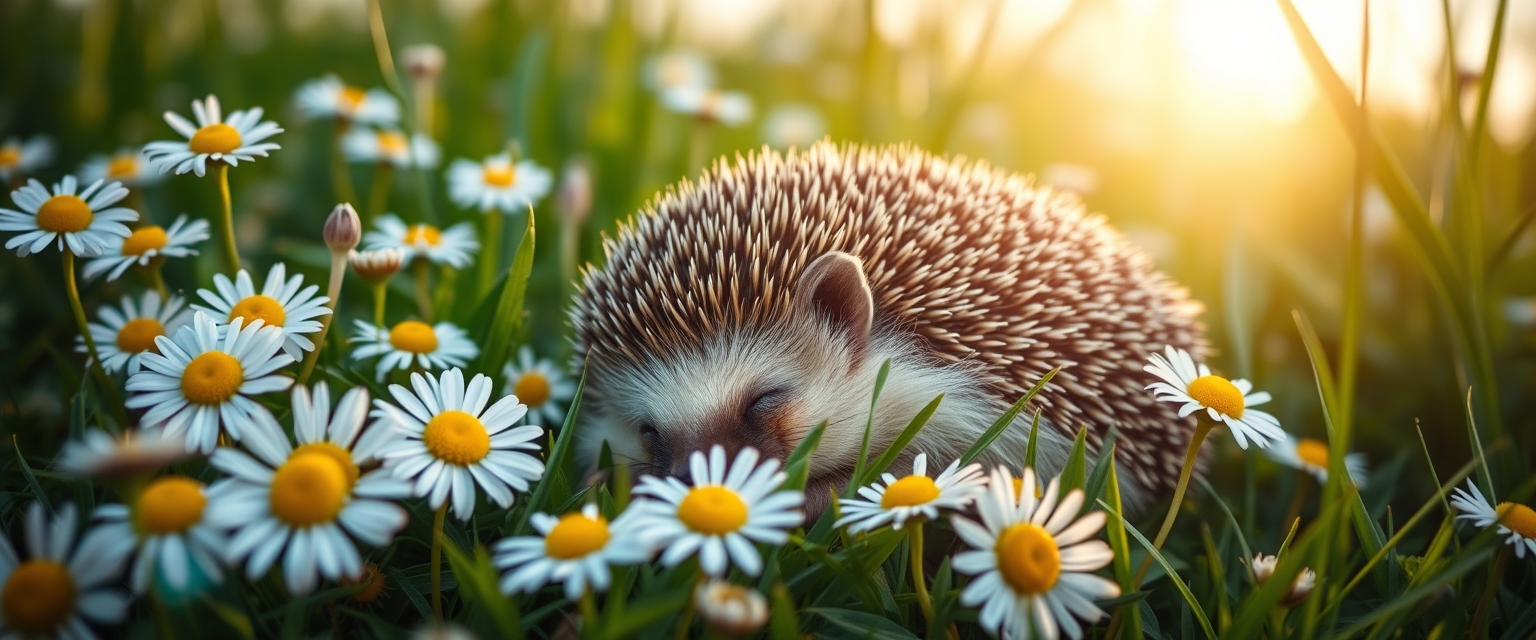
(329, 97)
(61, 587)
(452, 246)
(729, 108)
(388, 146)
(1311, 456)
(451, 441)
(86, 221)
(213, 139)
(1517, 522)
(574, 549)
(720, 514)
(306, 504)
(19, 158)
(1264, 566)
(99, 454)
(125, 334)
(145, 244)
(413, 343)
(793, 125)
(497, 184)
(1227, 401)
(166, 529)
(679, 69)
(284, 303)
(127, 166)
(203, 377)
(730, 609)
(915, 496)
(1031, 560)
(540, 385)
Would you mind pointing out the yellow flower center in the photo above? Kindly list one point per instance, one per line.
(457, 438)
(138, 335)
(64, 214)
(1018, 488)
(1519, 518)
(532, 389)
(122, 166)
(143, 239)
(309, 489)
(9, 156)
(1028, 558)
(1312, 452)
(170, 504)
(423, 233)
(212, 378)
(576, 536)
(1217, 393)
(413, 336)
(910, 491)
(215, 138)
(38, 597)
(712, 510)
(259, 307)
(391, 143)
(351, 99)
(342, 457)
(499, 175)
(374, 578)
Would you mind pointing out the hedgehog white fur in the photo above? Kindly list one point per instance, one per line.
(747, 308)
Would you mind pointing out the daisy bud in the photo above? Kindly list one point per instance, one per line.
(377, 266)
(574, 196)
(423, 61)
(343, 229)
(1264, 566)
(730, 609)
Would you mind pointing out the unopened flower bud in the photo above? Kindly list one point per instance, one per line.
(1264, 566)
(574, 198)
(730, 609)
(423, 61)
(377, 266)
(343, 229)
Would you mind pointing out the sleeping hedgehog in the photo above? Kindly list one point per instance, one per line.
(747, 308)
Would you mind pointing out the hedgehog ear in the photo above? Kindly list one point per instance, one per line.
(833, 288)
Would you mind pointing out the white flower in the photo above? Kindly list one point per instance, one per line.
(1516, 522)
(145, 243)
(539, 385)
(126, 165)
(125, 334)
(1311, 456)
(301, 503)
(718, 515)
(203, 378)
(452, 246)
(60, 587)
(329, 97)
(915, 496)
(451, 441)
(1264, 566)
(497, 184)
(729, 108)
(679, 69)
(730, 609)
(83, 222)
(1227, 401)
(1031, 559)
(22, 158)
(167, 529)
(101, 455)
(284, 303)
(388, 146)
(213, 138)
(574, 549)
(793, 125)
(413, 342)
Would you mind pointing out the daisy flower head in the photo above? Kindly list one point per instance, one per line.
(541, 386)
(213, 139)
(329, 97)
(793, 125)
(730, 108)
(376, 266)
(413, 343)
(1226, 401)
(203, 376)
(135, 453)
(60, 587)
(1311, 456)
(125, 165)
(1263, 567)
(123, 334)
(390, 147)
(730, 609)
(1516, 522)
(895, 500)
(452, 246)
(145, 244)
(82, 220)
(574, 549)
(498, 183)
(720, 513)
(166, 530)
(19, 158)
(679, 69)
(284, 304)
(1031, 559)
(305, 505)
(448, 441)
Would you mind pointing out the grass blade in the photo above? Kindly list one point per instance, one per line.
(508, 316)
(1173, 576)
(1002, 423)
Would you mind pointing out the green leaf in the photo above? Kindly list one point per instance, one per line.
(902, 440)
(1115, 530)
(1072, 475)
(558, 463)
(1034, 437)
(798, 465)
(26, 471)
(869, 427)
(782, 621)
(478, 588)
(1007, 418)
(509, 308)
(1094, 489)
(866, 625)
(1173, 576)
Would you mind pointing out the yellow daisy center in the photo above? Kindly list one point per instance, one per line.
(1028, 558)
(144, 239)
(576, 536)
(1519, 518)
(413, 336)
(1217, 393)
(423, 233)
(38, 597)
(215, 138)
(259, 307)
(499, 175)
(712, 510)
(351, 99)
(9, 156)
(910, 491)
(138, 335)
(532, 389)
(1018, 488)
(212, 378)
(374, 578)
(170, 504)
(1312, 452)
(122, 166)
(457, 438)
(342, 457)
(64, 214)
(391, 143)
(309, 489)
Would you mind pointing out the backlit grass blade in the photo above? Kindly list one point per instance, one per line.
(509, 308)
(869, 427)
(1173, 576)
(1003, 422)
(902, 440)
(556, 465)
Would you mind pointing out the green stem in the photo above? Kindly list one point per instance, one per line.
(378, 192)
(919, 581)
(588, 613)
(1490, 590)
(158, 280)
(227, 224)
(107, 389)
(490, 255)
(379, 291)
(1202, 428)
(338, 269)
(437, 561)
(419, 268)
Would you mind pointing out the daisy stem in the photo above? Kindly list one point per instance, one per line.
(378, 305)
(378, 192)
(338, 269)
(919, 581)
(231, 252)
(158, 280)
(109, 393)
(1202, 428)
(437, 560)
(588, 613)
(423, 289)
(1490, 589)
(490, 258)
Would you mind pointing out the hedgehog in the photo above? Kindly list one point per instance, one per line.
(751, 306)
